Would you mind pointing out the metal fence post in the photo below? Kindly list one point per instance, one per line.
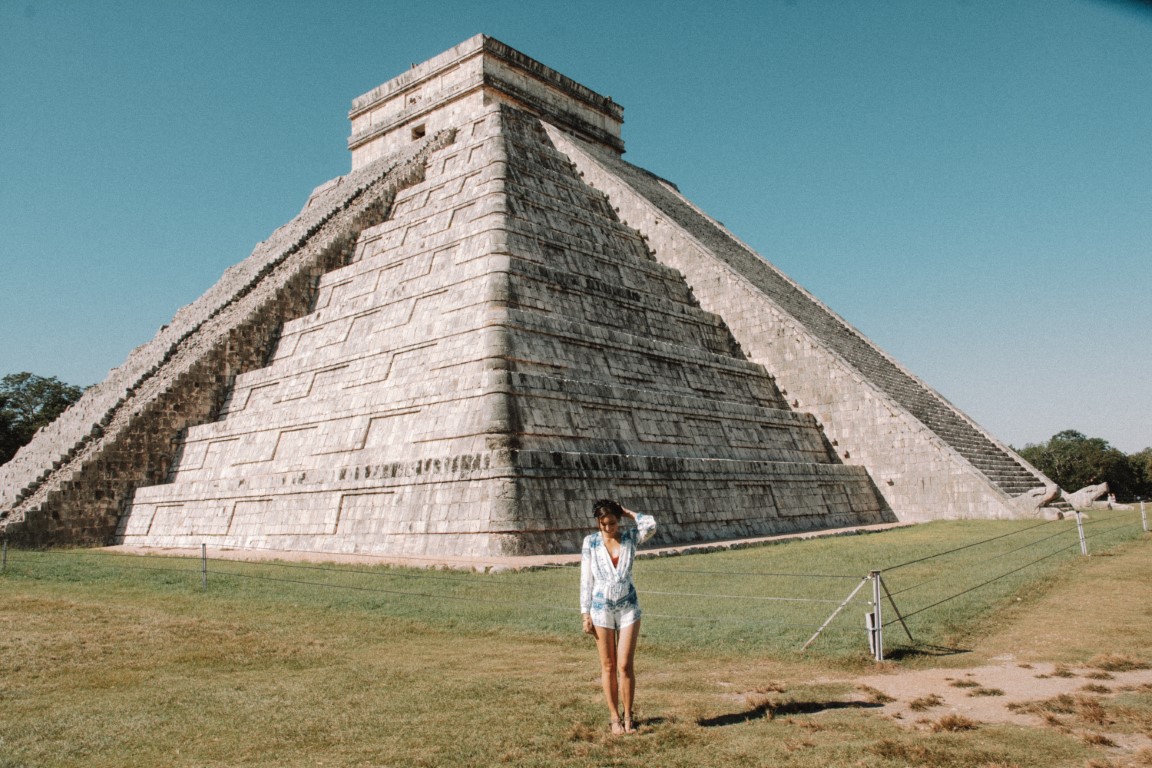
(204, 567)
(1080, 529)
(4, 565)
(875, 620)
(899, 616)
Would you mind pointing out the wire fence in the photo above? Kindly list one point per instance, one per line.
(780, 608)
(1005, 562)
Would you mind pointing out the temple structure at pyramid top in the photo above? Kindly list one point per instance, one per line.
(441, 92)
(490, 322)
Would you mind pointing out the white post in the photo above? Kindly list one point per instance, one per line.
(876, 631)
(1080, 529)
(1143, 517)
(204, 567)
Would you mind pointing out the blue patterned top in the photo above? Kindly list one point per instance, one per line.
(598, 577)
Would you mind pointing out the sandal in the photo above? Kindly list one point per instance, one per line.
(630, 724)
(617, 727)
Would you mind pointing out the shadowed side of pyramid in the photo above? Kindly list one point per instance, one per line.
(72, 483)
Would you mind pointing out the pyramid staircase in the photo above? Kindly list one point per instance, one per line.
(72, 483)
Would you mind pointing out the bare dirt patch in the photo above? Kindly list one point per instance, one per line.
(1028, 695)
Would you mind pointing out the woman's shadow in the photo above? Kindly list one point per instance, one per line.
(773, 710)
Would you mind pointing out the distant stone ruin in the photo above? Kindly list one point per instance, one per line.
(490, 322)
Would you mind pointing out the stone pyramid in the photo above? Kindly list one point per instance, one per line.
(490, 322)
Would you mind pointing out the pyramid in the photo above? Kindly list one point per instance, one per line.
(490, 322)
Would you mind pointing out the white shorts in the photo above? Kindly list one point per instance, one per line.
(615, 614)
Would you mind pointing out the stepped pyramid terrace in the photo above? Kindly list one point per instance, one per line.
(491, 321)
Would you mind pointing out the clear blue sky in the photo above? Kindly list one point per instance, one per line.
(968, 183)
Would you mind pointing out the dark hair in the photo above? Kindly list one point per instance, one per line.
(607, 507)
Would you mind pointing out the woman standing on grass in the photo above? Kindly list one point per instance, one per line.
(609, 606)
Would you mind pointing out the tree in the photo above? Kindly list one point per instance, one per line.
(9, 438)
(1143, 461)
(1073, 460)
(27, 403)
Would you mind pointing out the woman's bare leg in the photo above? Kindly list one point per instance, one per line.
(606, 644)
(625, 655)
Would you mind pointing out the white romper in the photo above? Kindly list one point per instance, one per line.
(607, 593)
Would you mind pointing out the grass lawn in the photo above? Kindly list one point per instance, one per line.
(124, 661)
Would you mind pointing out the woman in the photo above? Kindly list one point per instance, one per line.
(609, 606)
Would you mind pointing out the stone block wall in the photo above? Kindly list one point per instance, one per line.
(497, 354)
(449, 89)
(927, 458)
(491, 322)
(72, 482)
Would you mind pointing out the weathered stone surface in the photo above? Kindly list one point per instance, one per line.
(1083, 498)
(929, 459)
(492, 321)
(451, 88)
(73, 481)
(500, 352)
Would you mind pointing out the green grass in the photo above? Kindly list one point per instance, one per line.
(751, 601)
(116, 661)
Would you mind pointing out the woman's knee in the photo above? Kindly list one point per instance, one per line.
(608, 656)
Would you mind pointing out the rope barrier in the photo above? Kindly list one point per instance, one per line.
(739, 597)
(227, 571)
(988, 560)
(1106, 530)
(480, 582)
(753, 573)
(149, 568)
(51, 553)
(966, 546)
(990, 581)
(472, 598)
(487, 581)
(1009, 573)
(92, 552)
(377, 590)
(429, 558)
(647, 569)
(733, 619)
(1026, 546)
(380, 573)
(392, 559)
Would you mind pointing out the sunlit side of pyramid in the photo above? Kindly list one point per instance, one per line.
(492, 321)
